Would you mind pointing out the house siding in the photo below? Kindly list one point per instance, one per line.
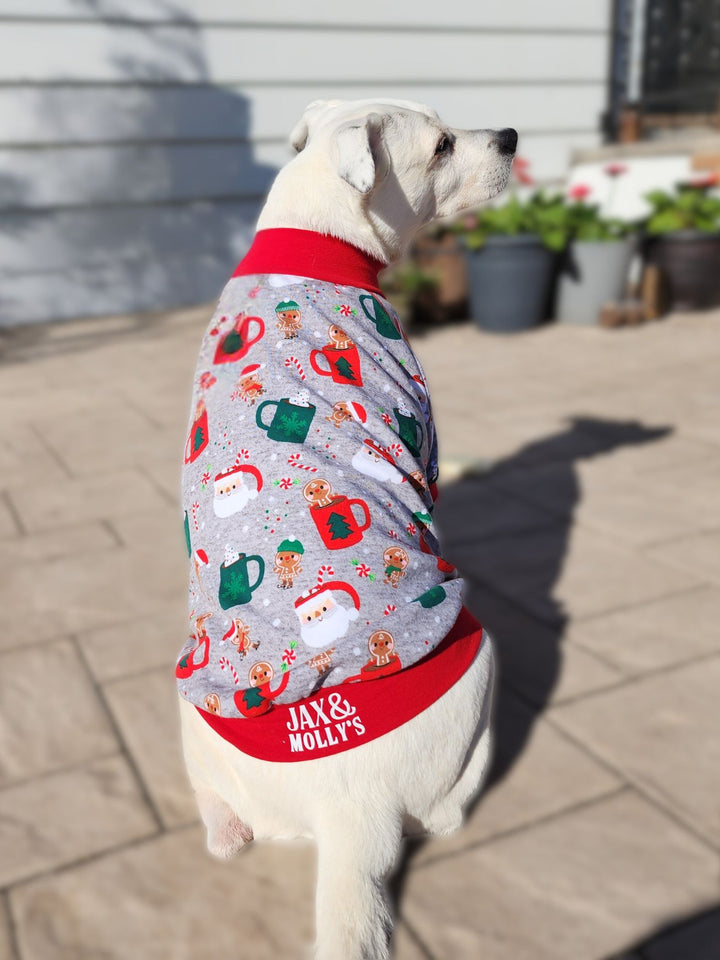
(138, 137)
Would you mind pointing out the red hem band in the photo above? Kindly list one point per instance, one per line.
(351, 714)
(305, 253)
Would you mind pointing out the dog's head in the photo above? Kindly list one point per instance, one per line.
(387, 165)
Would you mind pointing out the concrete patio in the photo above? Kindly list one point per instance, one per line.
(581, 498)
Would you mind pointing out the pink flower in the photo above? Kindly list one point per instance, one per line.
(520, 171)
(615, 169)
(363, 570)
(704, 181)
(580, 191)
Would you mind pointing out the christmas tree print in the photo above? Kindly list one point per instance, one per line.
(252, 697)
(344, 368)
(339, 528)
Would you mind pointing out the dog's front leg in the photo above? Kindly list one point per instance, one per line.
(356, 850)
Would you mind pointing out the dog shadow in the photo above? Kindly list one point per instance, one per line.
(511, 551)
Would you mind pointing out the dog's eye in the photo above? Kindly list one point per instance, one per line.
(444, 145)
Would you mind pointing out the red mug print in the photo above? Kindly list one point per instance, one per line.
(337, 524)
(344, 364)
(198, 437)
(236, 342)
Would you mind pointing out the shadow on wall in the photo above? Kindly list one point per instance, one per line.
(145, 192)
(511, 559)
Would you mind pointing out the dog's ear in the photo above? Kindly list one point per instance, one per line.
(360, 153)
(301, 131)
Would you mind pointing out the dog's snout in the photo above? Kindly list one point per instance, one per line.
(506, 140)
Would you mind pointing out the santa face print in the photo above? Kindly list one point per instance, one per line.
(231, 493)
(370, 461)
(324, 621)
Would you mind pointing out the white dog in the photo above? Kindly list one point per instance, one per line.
(370, 173)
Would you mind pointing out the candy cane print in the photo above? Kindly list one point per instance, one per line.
(325, 571)
(294, 461)
(226, 665)
(390, 608)
(293, 361)
(194, 510)
(394, 449)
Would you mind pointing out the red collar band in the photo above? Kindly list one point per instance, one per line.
(304, 253)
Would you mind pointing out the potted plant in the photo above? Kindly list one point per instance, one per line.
(682, 239)
(511, 251)
(597, 259)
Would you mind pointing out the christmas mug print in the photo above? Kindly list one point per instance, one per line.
(235, 343)
(198, 436)
(380, 317)
(343, 360)
(291, 420)
(337, 524)
(235, 588)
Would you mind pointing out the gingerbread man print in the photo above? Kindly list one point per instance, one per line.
(258, 698)
(288, 562)
(319, 493)
(395, 560)
(288, 322)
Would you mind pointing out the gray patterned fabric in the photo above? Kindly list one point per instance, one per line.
(309, 457)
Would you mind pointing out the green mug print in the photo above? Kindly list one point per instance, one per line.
(235, 587)
(410, 431)
(290, 422)
(380, 317)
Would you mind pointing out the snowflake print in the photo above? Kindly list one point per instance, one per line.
(345, 310)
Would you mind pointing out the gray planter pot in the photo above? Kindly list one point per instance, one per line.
(595, 273)
(509, 280)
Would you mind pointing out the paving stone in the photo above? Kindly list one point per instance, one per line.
(82, 592)
(656, 634)
(661, 733)
(62, 502)
(146, 710)
(111, 436)
(8, 523)
(536, 772)
(693, 940)
(599, 495)
(535, 659)
(167, 899)
(76, 538)
(137, 644)
(94, 808)
(563, 571)
(698, 555)
(694, 484)
(23, 456)
(583, 885)
(6, 949)
(52, 717)
(406, 945)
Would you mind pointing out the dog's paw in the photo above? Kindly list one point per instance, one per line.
(226, 840)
